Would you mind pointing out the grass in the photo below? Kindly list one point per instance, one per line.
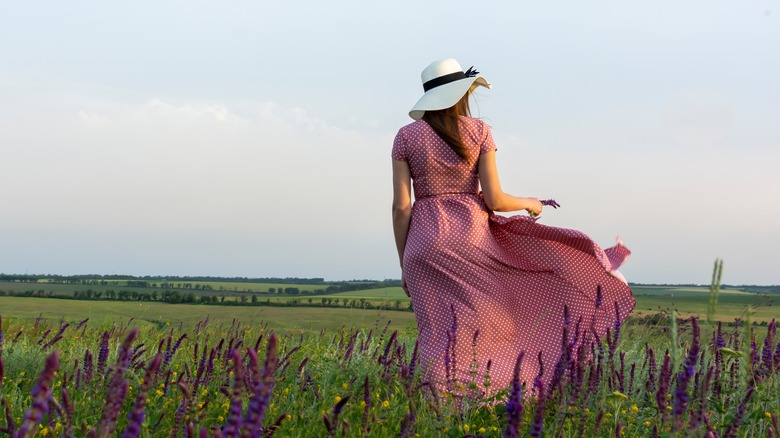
(284, 319)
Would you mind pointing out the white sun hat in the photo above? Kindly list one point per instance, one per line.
(444, 83)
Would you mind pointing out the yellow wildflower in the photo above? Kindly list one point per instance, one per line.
(647, 423)
(465, 427)
(288, 417)
(635, 409)
(362, 403)
(344, 385)
(337, 399)
(481, 430)
(385, 404)
(159, 393)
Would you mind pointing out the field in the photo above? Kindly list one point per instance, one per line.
(686, 301)
(304, 319)
(171, 372)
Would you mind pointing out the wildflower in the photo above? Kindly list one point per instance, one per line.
(288, 417)
(362, 403)
(344, 385)
(336, 399)
(635, 409)
(220, 418)
(385, 404)
(647, 423)
(465, 427)
(481, 430)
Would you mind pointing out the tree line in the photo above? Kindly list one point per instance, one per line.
(175, 297)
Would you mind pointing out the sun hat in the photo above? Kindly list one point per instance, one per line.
(444, 83)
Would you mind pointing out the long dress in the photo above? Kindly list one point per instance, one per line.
(485, 287)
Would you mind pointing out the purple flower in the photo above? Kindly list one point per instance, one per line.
(684, 377)
(698, 417)
(409, 422)
(235, 418)
(135, 419)
(367, 407)
(731, 431)
(537, 426)
(2, 366)
(550, 203)
(663, 386)
(766, 351)
(651, 370)
(263, 387)
(514, 405)
(538, 385)
(56, 337)
(41, 395)
(103, 353)
(331, 424)
(118, 388)
(719, 341)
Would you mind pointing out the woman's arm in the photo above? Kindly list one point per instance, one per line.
(402, 205)
(495, 198)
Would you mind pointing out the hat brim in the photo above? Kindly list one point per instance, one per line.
(445, 96)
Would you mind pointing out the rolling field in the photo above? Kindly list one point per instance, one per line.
(285, 319)
(687, 301)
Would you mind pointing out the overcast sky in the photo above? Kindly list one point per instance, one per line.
(252, 138)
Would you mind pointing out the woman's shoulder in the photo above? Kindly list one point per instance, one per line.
(473, 122)
(417, 125)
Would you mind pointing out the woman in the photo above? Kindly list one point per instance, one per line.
(485, 287)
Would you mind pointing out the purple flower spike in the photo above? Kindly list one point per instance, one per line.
(262, 388)
(682, 399)
(234, 418)
(137, 414)
(2, 367)
(514, 406)
(41, 395)
(103, 353)
(550, 203)
(663, 386)
(537, 427)
(731, 431)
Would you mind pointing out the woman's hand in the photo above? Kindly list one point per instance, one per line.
(403, 283)
(535, 207)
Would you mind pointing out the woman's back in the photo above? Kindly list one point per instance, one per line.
(435, 168)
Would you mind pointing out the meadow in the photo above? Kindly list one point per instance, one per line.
(104, 368)
(651, 300)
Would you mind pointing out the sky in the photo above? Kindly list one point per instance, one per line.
(252, 138)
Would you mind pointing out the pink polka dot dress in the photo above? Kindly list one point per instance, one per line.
(485, 287)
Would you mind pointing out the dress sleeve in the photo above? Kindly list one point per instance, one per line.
(399, 148)
(487, 144)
